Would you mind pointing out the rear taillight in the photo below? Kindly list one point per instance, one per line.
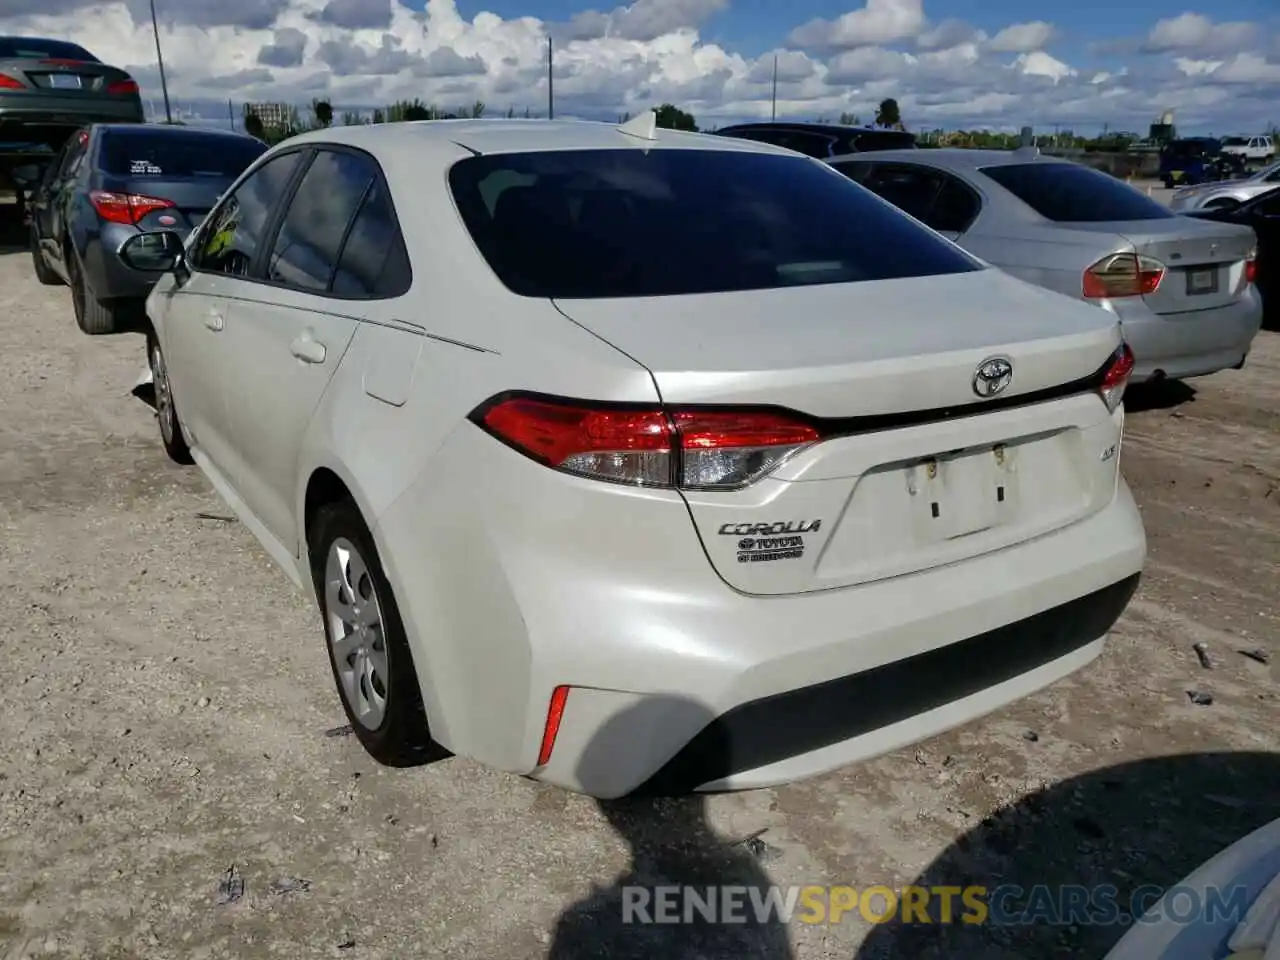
(122, 86)
(686, 448)
(1251, 270)
(1123, 275)
(9, 83)
(125, 207)
(1116, 377)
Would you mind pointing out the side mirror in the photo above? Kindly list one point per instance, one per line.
(158, 252)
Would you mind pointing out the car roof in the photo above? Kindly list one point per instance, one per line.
(165, 129)
(950, 158)
(839, 128)
(482, 137)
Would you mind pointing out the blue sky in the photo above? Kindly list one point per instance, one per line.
(950, 63)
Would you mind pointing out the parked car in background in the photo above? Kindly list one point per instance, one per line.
(1261, 214)
(1259, 149)
(1196, 160)
(820, 140)
(1227, 193)
(111, 182)
(48, 90)
(637, 460)
(1181, 288)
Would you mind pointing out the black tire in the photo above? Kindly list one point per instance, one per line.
(91, 316)
(171, 435)
(401, 736)
(44, 273)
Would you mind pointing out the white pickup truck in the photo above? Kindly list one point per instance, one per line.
(1258, 149)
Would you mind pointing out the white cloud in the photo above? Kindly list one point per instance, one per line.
(1040, 64)
(1195, 33)
(1023, 37)
(880, 21)
(623, 58)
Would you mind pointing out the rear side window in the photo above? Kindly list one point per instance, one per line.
(306, 250)
(35, 48)
(374, 262)
(168, 153)
(635, 223)
(1071, 193)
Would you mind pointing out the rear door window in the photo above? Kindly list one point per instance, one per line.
(635, 223)
(374, 262)
(933, 197)
(1071, 193)
(307, 245)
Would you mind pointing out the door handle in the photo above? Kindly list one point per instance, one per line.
(214, 320)
(308, 350)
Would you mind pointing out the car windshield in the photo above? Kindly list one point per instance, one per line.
(641, 223)
(154, 151)
(1071, 193)
(33, 48)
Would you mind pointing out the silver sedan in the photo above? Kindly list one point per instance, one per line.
(1183, 289)
(1225, 194)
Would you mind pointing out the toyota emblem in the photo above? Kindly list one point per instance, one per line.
(992, 377)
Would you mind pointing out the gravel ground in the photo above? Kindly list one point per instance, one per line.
(167, 716)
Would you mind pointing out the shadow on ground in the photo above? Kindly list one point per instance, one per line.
(1150, 822)
(1158, 395)
(13, 233)
(671, 843)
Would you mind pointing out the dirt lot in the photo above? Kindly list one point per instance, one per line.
(166, 701)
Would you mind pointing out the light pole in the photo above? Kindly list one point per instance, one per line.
(551, 81)
(773, 109)
(164, 86)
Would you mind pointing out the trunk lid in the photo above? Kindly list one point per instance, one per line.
(915, 470)
(1204, 259)
(54, 77)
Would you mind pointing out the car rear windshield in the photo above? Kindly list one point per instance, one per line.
(1235, 141)
(33, 48)
(164, 152)
(1184, 149)
(882, 140)
(1071, 193)
(641, 223)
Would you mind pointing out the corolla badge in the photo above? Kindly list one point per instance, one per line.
(992, 377)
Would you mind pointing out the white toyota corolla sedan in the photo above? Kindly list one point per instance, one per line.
(642, 461)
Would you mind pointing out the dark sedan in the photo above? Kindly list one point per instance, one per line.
(1262, 213)
(48, 88)
(113, 181)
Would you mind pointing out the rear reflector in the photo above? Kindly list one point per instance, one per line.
(555, 713)
(1123, 275)
(122, 86)
(9, 83)
(646, 446)
(1116, 377)
(125, 207)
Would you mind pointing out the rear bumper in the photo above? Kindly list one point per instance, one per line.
(513, 580)
(1190, 344)
(70, 112)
